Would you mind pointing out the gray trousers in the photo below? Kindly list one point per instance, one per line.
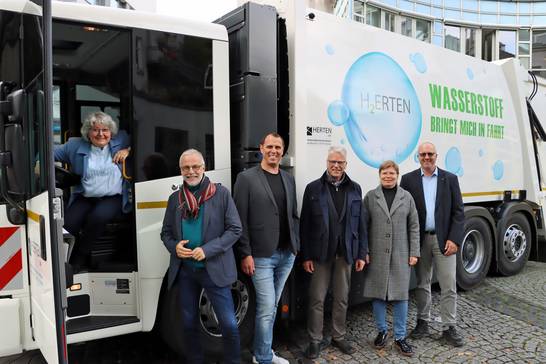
(339, 271)
(446, 270)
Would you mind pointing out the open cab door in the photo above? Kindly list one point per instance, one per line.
(27, 178)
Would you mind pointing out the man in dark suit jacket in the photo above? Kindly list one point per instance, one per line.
(201, 225)
(441, 218)
(265, 197)
(333, 237)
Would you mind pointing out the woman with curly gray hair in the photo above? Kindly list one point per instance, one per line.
(102, 193)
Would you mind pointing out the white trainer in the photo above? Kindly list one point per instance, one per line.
(276, 359)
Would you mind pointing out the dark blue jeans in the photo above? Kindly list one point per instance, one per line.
(191, 281)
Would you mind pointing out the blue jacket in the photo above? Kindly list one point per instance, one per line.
(314, 222)
(76, 153)
(220, 230)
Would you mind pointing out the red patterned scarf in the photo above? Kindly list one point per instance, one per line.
(188, 202)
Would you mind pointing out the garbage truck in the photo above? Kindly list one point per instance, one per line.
(173, 83)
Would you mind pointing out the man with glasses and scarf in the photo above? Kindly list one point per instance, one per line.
(441, 218)
(333, 236)
(201, 225)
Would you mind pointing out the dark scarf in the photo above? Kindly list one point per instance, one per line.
(187, 201)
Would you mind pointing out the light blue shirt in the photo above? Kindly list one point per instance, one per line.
(430, 185)
(103, 177)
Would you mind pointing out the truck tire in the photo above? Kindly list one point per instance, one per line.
(245, 311)
(514, 244)
(474, 254)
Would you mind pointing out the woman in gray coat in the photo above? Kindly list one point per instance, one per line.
(393, 233)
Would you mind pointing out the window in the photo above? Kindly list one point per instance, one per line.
(506, 40)
(405, 5)
(472, 17)
(507, 7)
(523, 49)
(524, 35)
(422, 30)
(358, 8)
(488, 6)
(488, 37)
(456, 4)
(406, 26)
(453, 14)
(488, 18)
(524, 7)
(452, 38)
(389, 19)
(507, 19)
(373, 16)
(172, 101)
(423, 9)
(539, 49)
(470, 5)
(539, 7)
(470, 41)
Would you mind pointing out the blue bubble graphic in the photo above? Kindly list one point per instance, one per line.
(329, 49)
(338, 113)
(454, 161)
(481, 152)
(498, 170)
(470, 74)
(419, 61)
(383, 118)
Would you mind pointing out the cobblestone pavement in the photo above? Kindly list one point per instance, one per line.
(503, 321)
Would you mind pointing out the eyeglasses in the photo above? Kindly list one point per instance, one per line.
(98, 131)
(338, 163)
(189, 168)
(427, 154)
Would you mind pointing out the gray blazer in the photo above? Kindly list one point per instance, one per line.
(220, 230)
(256, 205)
(393, 236)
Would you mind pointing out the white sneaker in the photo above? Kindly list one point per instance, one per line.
(276, 359)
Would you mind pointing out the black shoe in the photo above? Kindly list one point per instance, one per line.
(420, 330)
(380, 340)
(313, 350)
(403, 347)
(344, 346)
(452, 337)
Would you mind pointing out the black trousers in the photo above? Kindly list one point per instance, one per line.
(90, 216)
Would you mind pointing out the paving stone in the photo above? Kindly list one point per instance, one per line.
(503, 321)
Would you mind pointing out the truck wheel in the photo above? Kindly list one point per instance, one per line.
(474, 254)
(514, 245)
(244, 302)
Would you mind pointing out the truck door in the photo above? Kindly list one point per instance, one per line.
(44, 207)
(27, 183)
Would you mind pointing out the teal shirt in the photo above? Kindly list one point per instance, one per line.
(192, 231)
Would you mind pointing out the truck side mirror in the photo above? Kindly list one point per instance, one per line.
(15, 170)
(13, 159)
(17, 99)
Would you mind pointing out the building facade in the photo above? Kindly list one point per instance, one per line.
(486, 29)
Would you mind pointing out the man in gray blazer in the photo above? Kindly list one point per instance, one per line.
(265, 197)
(201, 225)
